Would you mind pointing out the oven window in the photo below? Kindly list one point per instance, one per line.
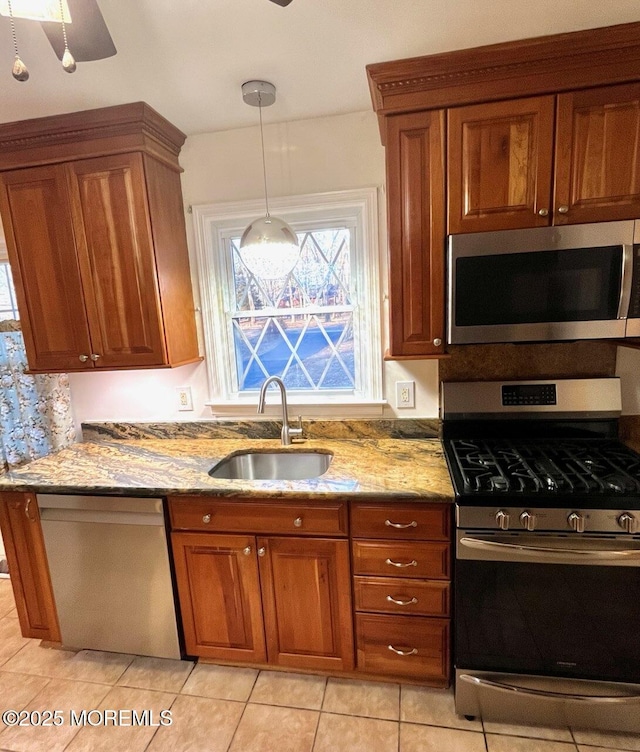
(541, 286)
(553, 619)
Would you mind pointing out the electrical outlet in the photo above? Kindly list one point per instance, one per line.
(405, 394)
(185, 400)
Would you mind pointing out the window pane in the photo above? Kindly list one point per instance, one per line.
(8, 306)
(305, 333)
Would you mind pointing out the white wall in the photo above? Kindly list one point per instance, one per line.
(304, 156)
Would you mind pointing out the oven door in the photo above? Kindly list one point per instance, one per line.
(542, 284)
(557, 605)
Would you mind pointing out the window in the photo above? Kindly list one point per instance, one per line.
(318, 328)
(8, 305)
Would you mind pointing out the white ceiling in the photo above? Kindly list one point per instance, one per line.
(188, 58)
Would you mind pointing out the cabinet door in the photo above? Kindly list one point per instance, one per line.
(37, 222)
(219, 593)
(415, 200)
(27, 558)
(115, 253)
(306, 600)
(499, 165)
(598, 155)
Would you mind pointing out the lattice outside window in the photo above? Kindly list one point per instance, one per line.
(8, 305)
(318, 328)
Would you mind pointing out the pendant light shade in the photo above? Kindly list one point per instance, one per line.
(269, 247)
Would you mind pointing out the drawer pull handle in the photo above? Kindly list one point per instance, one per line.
(391, 599)
(402, 564)
(401, 525)
(413, 651)
(297, 522)
(206, 519)
(247, 551)
(262, 551)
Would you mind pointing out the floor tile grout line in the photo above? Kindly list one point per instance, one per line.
(153, 736)
(235, 731)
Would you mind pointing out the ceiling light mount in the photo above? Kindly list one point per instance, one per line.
(258, 93)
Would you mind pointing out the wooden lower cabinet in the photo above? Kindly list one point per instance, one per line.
(411, 646)
(401, 566)
(306, 606)
(235, 589)
(27, 558)
(219, 591)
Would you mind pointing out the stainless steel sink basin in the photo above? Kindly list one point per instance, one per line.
(253, 465)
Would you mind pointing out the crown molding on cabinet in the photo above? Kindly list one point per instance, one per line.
(550, 64)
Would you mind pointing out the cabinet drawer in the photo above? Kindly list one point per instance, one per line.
(405, 558)
(192, 513)
(395, 595)
(401, 521)
(412, 646)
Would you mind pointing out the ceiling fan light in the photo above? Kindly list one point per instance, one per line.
(37, 10)
(269, 248)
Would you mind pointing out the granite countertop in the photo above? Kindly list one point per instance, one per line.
(157, 467)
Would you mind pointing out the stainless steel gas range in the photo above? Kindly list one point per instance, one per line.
(547, 570)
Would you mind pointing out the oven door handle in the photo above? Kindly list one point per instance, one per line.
(502, 687)
(626, 281)
(518, 550)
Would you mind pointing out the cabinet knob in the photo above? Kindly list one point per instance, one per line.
(563, 209)
(206, 519)
(297, 522)
(543, 212)
(262, 551)
(437, 341)
(83, 358)
(94, 357)
(247, 551)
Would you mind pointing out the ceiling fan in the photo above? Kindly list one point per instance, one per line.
(87, 34)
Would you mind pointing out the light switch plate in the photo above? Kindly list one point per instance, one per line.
(405, 394)
(185, 400)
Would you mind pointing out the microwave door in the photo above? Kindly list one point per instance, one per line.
(538, 294)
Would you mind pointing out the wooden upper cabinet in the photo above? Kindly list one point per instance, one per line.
(416, 216)
(499, 165)
(97, 239)
(38, 226)
(116, 260)
(598, 155)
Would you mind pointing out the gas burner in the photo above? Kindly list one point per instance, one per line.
(546, 466)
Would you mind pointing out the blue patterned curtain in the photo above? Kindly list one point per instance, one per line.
(35, 411)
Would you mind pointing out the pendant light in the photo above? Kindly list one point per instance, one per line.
(269, 247)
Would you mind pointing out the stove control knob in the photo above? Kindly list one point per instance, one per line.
(502, 519)
(628, 522)
(528, 521)
(576, 522)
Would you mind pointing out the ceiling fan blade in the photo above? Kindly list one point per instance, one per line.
(88, 35)
(283, 3)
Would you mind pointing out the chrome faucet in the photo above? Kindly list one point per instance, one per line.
(287, 433)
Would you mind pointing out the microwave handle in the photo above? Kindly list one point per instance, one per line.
(627, 279)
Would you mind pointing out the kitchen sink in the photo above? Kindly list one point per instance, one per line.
(252, 465)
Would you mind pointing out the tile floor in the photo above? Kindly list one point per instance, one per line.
(221, 709)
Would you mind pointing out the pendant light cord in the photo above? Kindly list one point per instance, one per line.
(264, 162)
(13, 29)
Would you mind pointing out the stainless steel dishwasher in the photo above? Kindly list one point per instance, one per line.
(110, 572)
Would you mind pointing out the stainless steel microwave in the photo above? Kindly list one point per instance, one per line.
(545, 284)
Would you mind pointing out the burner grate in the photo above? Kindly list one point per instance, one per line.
(546, 466)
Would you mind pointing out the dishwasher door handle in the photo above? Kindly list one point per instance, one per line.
(107, 518)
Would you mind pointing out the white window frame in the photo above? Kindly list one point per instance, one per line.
(213, 223)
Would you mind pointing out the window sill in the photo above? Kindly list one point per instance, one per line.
(307, 407)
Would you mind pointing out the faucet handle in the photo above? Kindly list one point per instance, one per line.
(297, 432)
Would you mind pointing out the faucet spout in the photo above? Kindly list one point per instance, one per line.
(287, 432)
